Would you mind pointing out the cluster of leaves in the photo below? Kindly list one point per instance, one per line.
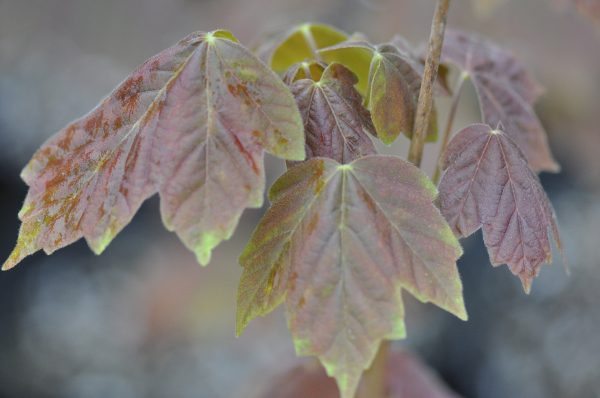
(347, 228)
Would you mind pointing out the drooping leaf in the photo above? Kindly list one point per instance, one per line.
(393, 81)
(338, 244)
(336, 124)
(301, 44)
(488, 184)
(190, 123)
(506, 93)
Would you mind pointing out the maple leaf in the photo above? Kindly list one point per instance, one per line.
(337, 244)
(190, 123)
(488, 184)
(506, 93)
(390, 80)
(300, 44)
(335, 122)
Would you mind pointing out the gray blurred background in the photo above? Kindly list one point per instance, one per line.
(144, 320)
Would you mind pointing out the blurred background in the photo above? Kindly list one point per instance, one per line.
(144, 320)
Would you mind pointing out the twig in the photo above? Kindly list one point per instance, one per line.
(436, 40)
(448, 131)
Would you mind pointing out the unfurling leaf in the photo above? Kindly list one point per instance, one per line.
(336, 124)
(338, 244)
(506, 93)
(301, 44)
(191, 123)
(390, 80)
(488, 184)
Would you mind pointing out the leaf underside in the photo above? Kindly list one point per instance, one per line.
(390, 80)
(301, 43)
(336, 124)
(337, 245)
(191, 123)
(488, 184)
(506, 93)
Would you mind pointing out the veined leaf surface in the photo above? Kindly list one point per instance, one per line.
(488, 184)
(506, 93)
(190, 123)
(338, 244)
(391, 81)
(336, 124)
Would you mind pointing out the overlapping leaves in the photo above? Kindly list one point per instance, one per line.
(301, 44)
(191, 123)
(336, 124)
(337, 244)
(488, 184)
(506, 93)
(390, 80)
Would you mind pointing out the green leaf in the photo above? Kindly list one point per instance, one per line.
(392, 80)
(191, 123)
(336, 124)
(338, 244)
(301, 44)
(312, 70)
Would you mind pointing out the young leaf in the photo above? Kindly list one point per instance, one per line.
(488, 184)
(190, 123)
(301, 44)
(393, 82)
(338, 244)
(312, 70)
(335, 122)
(506, 93)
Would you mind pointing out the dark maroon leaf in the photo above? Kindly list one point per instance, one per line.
(506, 93)
(336, 123)
(488, 184)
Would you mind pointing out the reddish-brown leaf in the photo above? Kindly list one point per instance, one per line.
(336, 124)
(506, 93)
(338, 244)
(488, 184)
(190, 123)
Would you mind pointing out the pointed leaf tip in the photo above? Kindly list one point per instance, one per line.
(506, 92)
(487, 184)
(191, 124)
(338, 245)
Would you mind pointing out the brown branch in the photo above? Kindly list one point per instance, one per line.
(434, 51)
(448, 131)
